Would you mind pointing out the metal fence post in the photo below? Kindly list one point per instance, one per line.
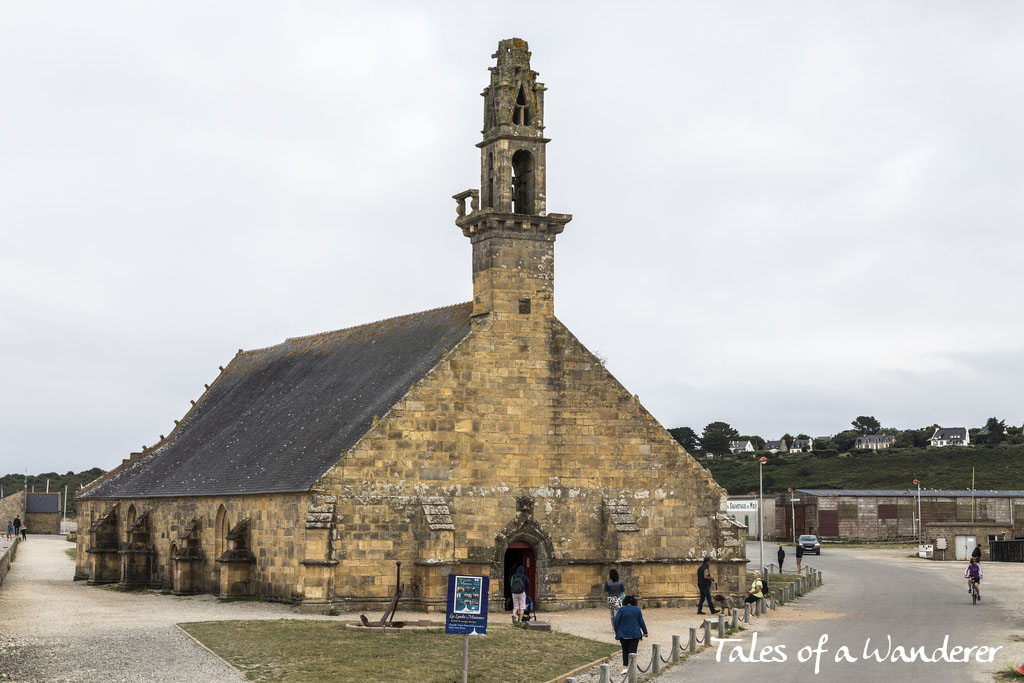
(675, 648)
(655, 659)
(631, 672)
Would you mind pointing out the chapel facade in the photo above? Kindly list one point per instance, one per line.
(471, 438)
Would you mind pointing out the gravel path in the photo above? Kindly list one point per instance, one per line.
(56, 629)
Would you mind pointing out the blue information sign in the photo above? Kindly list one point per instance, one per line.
(467, 605)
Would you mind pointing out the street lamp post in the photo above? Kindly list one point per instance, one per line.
(760, 507)
(792, 508)
(920, 522)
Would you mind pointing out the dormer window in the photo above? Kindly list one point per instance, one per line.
(521, 112)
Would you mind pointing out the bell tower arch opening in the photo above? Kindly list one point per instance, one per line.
(522, 182)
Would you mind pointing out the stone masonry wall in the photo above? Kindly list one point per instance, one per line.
(277, 529)
(522, 433)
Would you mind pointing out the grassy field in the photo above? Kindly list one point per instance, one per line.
(294, 650)
(1001, 467)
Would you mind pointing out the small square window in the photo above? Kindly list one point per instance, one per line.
(524, 305)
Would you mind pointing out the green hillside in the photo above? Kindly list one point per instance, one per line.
(12, 483)
(998, 467)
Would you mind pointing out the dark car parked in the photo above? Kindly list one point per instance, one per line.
(810, 544)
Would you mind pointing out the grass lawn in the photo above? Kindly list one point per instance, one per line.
(292, 650)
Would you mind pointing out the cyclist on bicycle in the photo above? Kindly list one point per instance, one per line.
(973, 575)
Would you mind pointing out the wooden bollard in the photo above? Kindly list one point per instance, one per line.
(631, 671)
(746, 613)
(721, 625)
(655, 658)
(707, 633)
(675, 648)
(735, 618)
(692, 647)
(605, 675)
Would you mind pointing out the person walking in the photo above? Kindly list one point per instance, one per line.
(10, 529)
(782, 557)
(615, 590)
(24, 532)
(519, 584)
(755, 594)
(704, 581)
(17, 526)
(976, 554)
(799, 555)
(630, 629)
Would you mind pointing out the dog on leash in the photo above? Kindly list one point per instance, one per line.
(724, 602)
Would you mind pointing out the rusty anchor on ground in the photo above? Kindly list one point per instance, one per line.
(389, 613)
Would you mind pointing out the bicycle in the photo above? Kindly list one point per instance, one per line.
(974, 593)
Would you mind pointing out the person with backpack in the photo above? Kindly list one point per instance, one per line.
(756, 587)
(799, 555)
(519, 584)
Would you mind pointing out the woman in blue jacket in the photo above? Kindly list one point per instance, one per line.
(629, 628)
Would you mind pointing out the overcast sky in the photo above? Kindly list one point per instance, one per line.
(786, 214)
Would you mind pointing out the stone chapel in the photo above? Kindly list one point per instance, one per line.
(471, 438)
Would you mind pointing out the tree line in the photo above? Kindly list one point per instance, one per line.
(714, 439)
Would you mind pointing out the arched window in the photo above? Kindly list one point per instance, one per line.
(220, 531)
(521, 112)
(522, 182)
(129, 521)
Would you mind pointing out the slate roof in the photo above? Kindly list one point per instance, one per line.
(945, 433)
(42, 502)
(876, 438)
(278, 418)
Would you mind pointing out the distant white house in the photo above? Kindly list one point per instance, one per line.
(802, 446)
(741, 446)
(776, 446)
(950, 436)
(874, 442)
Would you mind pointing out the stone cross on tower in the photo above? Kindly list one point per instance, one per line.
(512, 235)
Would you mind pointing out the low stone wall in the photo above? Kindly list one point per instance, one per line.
(5, 558)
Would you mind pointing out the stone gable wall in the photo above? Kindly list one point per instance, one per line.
(11, 506)
(521, 411)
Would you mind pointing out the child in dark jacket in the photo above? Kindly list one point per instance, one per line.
(629, 628)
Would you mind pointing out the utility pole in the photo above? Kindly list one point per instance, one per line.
(760, 507)
(792, 507)
(920, 522)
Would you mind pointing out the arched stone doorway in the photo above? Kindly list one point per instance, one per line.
(524, 542)
(519, 554)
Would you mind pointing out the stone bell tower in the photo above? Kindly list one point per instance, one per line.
(512, 234)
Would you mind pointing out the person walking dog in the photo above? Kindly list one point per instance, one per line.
(704, 581)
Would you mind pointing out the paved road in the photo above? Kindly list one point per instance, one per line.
(870, 596)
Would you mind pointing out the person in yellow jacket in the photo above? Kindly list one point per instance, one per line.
(756, 585)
